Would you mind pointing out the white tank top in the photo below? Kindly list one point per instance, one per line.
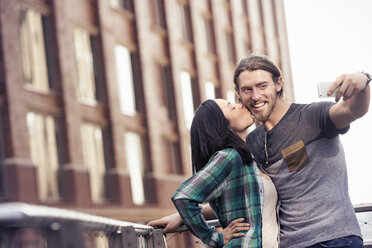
(269, 218)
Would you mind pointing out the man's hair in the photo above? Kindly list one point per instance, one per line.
(256, 62)
(210, 132)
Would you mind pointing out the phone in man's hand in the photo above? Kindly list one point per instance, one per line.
(323, 88)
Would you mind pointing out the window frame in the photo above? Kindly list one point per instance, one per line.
(45, 182)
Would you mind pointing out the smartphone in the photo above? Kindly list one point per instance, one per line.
(323, 88)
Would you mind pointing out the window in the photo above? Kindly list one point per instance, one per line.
(255, 20)
(167, 91)
(229, 12)
(230, 47)
(173, 156)
(84, 66)
(270, 30)
(231, 96)
(159, 14)
(187, 98)
(125, 85)
(93, 157)
(124, 4)
(210, 90)
(195, 93)
(134, 159)
(247, 44)
(44, 154)
(185, 21)
(244, 7)
(3, 176)
(210, 37)
(33, 50)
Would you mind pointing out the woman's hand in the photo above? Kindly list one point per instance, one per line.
(168, 223)
(233, 229)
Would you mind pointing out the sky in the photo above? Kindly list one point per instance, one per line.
(327, 38)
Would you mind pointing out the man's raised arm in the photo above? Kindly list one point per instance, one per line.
(355, 91)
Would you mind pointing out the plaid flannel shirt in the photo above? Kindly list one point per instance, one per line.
(233, 191)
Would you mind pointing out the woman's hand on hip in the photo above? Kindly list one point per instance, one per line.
(233, 230)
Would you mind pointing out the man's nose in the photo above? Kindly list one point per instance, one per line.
(256, 94)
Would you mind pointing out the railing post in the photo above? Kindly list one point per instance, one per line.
(129, 237)
(116, 240)
(156, 239)
(6, 236)
(65, 234)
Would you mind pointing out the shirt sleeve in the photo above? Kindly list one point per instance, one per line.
(203, 186)
(320, 111)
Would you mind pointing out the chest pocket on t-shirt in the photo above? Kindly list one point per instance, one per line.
(295, 156)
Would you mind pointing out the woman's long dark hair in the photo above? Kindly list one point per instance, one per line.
(210, 132)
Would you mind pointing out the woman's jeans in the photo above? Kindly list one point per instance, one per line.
(346, 242)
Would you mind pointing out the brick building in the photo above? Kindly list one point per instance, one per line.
(97, 96)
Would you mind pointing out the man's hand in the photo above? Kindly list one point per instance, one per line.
(350, 85)
(233, 229)
(168, 223)
(356, 98)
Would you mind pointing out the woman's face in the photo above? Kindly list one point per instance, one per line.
(238, 116)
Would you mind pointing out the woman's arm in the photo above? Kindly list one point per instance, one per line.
(204, 186)
(171, 222)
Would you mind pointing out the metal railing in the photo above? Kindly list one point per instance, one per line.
(364, 216)
(26, 225)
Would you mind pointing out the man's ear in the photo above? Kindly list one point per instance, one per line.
(279, 84)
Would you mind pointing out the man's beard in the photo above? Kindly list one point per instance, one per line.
(264, 116)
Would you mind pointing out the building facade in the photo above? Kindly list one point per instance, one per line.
(97, 96)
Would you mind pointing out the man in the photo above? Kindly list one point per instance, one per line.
(298, 146)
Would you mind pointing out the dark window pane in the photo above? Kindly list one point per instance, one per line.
(195, 93)
(173, 157)
(176, 157)
(127, 4)
(160, 19)
(3, 177)
(168, 92)
(211, 43)
(50, 50)
(97, 66)
(230, 47)
(137, 81)
(185, 17)
(244, 7)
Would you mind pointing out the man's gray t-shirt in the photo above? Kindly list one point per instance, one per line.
(305, 159)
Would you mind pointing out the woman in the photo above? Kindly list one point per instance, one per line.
(228, 179)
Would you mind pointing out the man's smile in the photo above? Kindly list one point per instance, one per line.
(257, 105)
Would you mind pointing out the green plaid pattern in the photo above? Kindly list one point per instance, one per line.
(232, 189)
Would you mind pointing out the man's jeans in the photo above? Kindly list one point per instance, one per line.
(346, 242)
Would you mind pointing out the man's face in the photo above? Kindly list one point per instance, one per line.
(258, 93)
